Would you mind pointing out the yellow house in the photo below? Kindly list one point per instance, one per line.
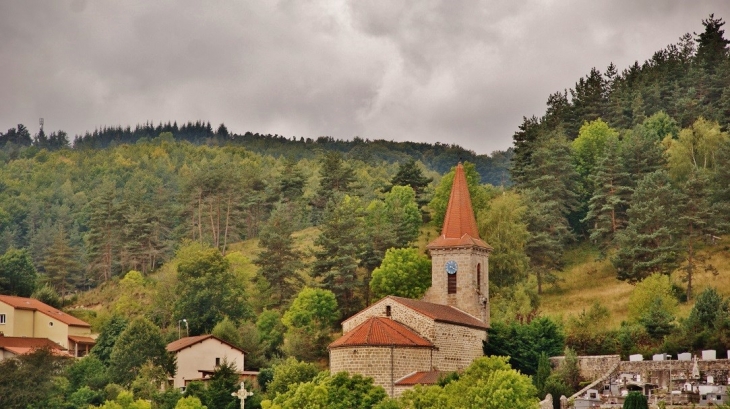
(28, 317)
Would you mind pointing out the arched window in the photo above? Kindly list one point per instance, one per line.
(452, 284)
(479, 277)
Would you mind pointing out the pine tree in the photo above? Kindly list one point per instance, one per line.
(335, 178)
(410, 174)
(607, 207)
(279, 262)
(650, 243)
(102, 239)
(61, 266)
(340, 245)
(697, 219)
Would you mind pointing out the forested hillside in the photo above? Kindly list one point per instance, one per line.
(618, 197)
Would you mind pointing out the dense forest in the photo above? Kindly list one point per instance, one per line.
(629, 164)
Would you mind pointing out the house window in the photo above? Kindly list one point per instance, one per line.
(217, 362)
(452, 283)
(2, 318)
(387, 310)
(50, 323)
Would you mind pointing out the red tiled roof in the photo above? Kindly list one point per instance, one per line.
(183, 343)
(82, 340)
(30, 343)
(460, 225)
(441, 313)
(420, 378)
(35, 305)
(379, 331)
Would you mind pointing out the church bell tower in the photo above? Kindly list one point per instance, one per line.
(460, 259)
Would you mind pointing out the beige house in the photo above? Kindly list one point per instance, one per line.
(28, 317)
(200, 355)
(401, 342)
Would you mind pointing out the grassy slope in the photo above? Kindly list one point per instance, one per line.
(587, 280)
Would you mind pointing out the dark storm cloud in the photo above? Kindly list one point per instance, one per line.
(456, 72)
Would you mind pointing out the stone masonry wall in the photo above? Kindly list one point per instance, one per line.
(458, 346)
(385, 365)
(421, 324)
(468, 297)
(591, 367)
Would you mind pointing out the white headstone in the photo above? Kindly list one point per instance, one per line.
(710, 380)
(709, 355)
(636, 358)
(659, 357)
(242, 394)
(685, 356)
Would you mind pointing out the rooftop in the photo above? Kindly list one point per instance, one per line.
(35, 305)
(441, 313)
(379, 331)
(420, 378)
(11, 343)
(460, 225)
(186, 342)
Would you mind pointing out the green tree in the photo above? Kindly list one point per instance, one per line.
(47, 295)
(88, 372)
(290, 372)
(271, 332)
(102, 239)
(207, 289)
(141, 342)
(611, 196)
(222, 383)
(134, 295)
(335, 179)
(227, 331)
(403, 273)
(410, 174)
(542, 374)
(523, 343)
(61, 267)
(646, 292)
(338, 252)
(503, 226)
(657, 320)
(17, 274)
(649, 244)
(279, 262)
(479, 194)
(588, 148)
(309, 323)
(698, 219)
(292, 182)
(109, 331)
(696, 148)
(635, 400)
(27, 381)
(190, 402)
(339, 391)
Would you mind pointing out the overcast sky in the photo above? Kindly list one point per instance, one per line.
(462, 72)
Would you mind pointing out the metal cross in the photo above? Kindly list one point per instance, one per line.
(242, 394)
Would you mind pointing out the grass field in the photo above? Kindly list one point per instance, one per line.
(588, 279)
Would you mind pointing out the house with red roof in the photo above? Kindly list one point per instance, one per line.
(402, 342)
(30, 318)
(14, 346)
(199, 356)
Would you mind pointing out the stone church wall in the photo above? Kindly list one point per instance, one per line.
(385, 365)
(457, 346)
(399, 313)
(467, 298)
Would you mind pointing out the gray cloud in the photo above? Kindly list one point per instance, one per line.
(455, 72)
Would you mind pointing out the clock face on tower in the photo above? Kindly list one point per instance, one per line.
(451, 267)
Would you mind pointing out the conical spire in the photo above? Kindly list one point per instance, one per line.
(460, 226)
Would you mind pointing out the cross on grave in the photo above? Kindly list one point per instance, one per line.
(242, 394)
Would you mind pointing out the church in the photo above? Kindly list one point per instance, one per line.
(401, 342)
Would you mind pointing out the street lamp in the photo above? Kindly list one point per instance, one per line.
(187, 329)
